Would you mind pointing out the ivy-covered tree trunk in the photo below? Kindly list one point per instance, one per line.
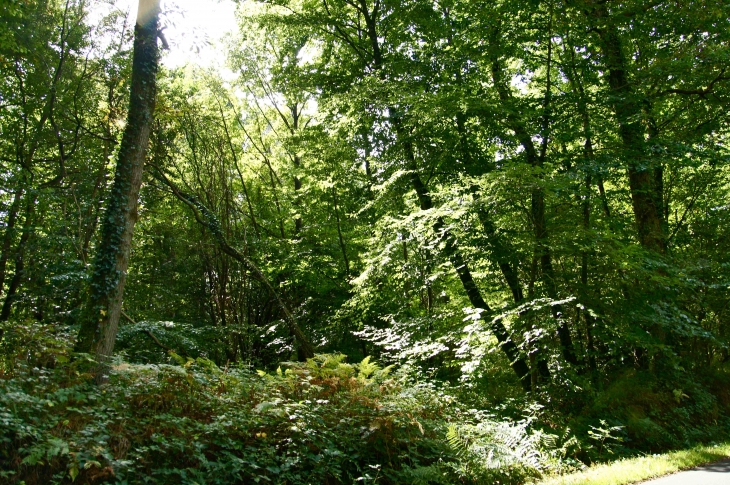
(101, 316)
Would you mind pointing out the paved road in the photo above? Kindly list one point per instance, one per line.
(712, 474)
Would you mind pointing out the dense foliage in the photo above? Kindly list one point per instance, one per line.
(323, 421)
(522, 206)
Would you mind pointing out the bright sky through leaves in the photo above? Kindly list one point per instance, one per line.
(194, 29)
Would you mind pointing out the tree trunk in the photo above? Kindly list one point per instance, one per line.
(340, 237)
(19, 273)
(9, 235)
(589, 154)
(645, 179)
(539, 222)
(206, 218)
(295, 113)
(101, 320)
(518, 363)
(500, 252)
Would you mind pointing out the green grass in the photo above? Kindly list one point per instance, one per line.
(643, 468)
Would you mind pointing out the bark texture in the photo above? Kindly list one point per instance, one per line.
(99, 327)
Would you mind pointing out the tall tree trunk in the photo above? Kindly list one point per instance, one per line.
(451, 250)
(518, 363)
(234, 159)
(101, 320)
(589, 155)
(645, 179)
(340, 237)
(295, 115)
(503, 256)
(518, 126)
(500, 252)
(589, 320)
(206, 218)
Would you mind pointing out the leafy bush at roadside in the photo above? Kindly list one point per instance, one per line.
(320, 422)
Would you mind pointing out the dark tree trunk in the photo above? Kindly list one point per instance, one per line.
(101, 320)
(518, 363)
(207, 219)
(645, 179)
(340, 237)
(9, 235)
(539, 222)
(502, 255)
(295, 113)
(19, 274)
(500, 252)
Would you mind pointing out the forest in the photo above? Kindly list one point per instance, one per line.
(392, 242)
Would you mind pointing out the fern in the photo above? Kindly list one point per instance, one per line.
(459, 444)
(502, 451)
(51, 448)
(366, 368)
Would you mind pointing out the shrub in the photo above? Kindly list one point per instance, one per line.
(321, 422)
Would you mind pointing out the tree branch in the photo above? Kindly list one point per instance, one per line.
(207, 219)
(698, 92)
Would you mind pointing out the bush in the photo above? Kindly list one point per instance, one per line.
(325, 421)
(320, 422)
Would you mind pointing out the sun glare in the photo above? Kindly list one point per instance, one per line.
(194, 29)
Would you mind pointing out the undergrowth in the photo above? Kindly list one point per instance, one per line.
(320, 422)
(325, 421)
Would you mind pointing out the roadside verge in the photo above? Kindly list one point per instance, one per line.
(633, 470)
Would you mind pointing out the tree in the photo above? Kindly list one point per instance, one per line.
(384, 166)
(100, 322)
(50, 115)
